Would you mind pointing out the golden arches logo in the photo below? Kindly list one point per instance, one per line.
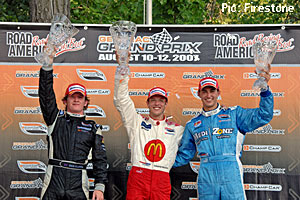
(155, 150)
(155, 146)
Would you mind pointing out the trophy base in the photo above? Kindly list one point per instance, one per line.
(259, 84)
(43, 59)
(122, 71)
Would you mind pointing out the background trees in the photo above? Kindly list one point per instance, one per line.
(164, 11)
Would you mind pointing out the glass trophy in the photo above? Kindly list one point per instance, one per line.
(264, 52)
(61, 30)
(123, 33)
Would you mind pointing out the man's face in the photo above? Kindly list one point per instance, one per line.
(157, 105)
(75, 103)
(209, 97)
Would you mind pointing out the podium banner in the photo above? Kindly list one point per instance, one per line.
(173, 57)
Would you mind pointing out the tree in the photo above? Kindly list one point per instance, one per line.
(164, 11)
(44, 10)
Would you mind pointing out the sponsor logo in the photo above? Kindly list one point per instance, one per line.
(38, 183)
(155, 150)
(233, 46)
(252, 93)
(31, 166)
(263, 187)
(91, 74)
(163, 167)
(161, 42)
(145, 126)
(91, 183)
(255, 76)
(128, 166)
(195, 166)
(98, 91)
(83, 129)
(145, 163)
(30, 91)
(276, 112)
(223, 116)
(262, 148)
(89, 166)
(263, 169)
(189, 186)
(194, 91)
(27, 198)
(25, 44)
(219, 131)
(258, 187)
(169, 131)
(200, 75)
(105, 128)
(33, 128)
(191, 111)
(142, 110)
(147, 75)
(138, 92)
(27, 110)
(267, 130)
(197, 123)
(30, 74)
(95, 111)
(198, 136)
(39, 145)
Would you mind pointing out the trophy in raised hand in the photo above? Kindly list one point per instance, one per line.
(264, 52)
(123, 33)
(61, 30)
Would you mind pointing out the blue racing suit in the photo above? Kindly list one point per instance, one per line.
(218, 137)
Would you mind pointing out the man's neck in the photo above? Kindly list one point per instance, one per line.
(206, 109)
(161, 117)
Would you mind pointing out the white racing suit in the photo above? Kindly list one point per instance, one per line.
(153, 145)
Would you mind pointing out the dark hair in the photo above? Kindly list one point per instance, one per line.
(84, 108)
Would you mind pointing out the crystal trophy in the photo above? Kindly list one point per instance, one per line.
(61, 30)
(264, 52)
(123, 33)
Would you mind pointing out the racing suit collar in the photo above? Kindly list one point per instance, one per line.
(75, 115)
(211, 112)
(156, 121)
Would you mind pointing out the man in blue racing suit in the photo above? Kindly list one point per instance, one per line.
(218, 135)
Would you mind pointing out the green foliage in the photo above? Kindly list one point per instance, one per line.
(165, 11)
(14, 11)
(106, 11)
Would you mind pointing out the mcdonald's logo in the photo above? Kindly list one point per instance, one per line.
(155, 150)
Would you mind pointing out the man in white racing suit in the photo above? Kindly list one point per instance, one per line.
(154, 142)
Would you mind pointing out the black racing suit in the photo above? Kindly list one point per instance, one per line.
(70, 139)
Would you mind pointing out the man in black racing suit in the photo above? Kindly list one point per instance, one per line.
(70, 139)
